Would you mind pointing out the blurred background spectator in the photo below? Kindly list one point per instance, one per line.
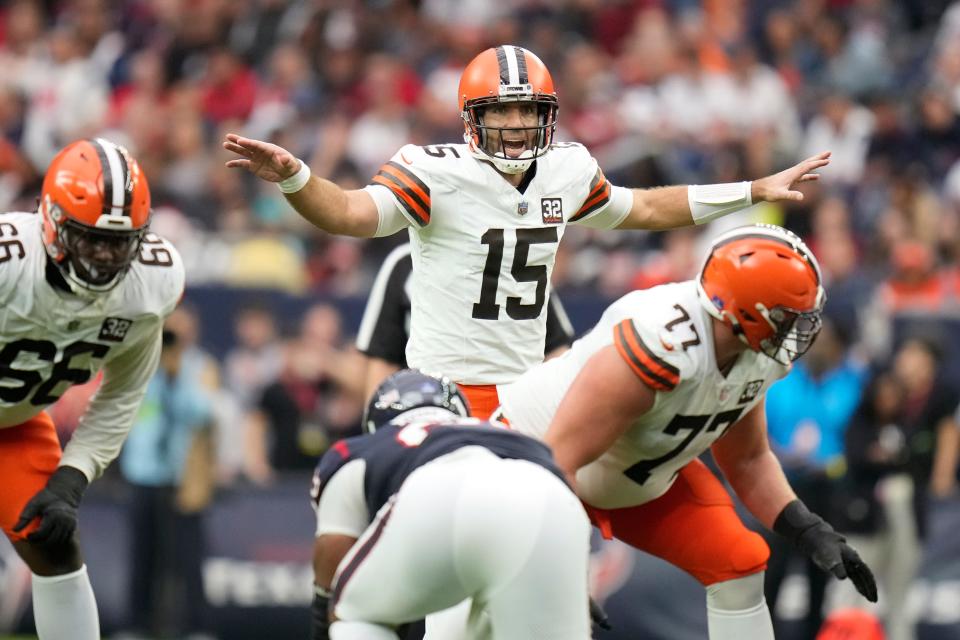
(807, 415)
(167, 461)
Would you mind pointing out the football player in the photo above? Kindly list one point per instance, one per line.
(485, 217)
(668, 373)
(434, 507)
(83, 288)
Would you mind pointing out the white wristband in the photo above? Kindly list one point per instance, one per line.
(711, 201)
(297, 181)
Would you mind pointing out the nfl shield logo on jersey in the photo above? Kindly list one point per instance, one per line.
(522, 207)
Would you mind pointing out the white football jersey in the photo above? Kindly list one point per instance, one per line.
(483, 251)
(666, 337)
(51, 340)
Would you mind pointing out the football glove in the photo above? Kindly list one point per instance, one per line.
(825, 547)
(56, 505)
(598, 616)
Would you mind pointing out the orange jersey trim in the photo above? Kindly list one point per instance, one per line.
(411, 192)
(655, 372)
(599, 196)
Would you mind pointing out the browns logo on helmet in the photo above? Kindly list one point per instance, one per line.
(95, 208)
(507, 74)
(765, 283)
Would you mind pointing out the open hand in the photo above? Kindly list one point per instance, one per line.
(779, 186)
(263, 159)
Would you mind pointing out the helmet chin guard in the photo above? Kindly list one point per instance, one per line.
(503, 163)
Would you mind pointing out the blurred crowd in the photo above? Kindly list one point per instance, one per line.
(661, 92)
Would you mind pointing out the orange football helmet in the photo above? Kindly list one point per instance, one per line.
(95, 208)
(765, 283)
(507, 74)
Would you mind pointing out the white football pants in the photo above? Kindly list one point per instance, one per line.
(507, 533)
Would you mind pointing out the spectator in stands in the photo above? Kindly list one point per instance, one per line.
(807, 414)
(168, 462)
(901, 447)
(314, 400)
(876, 512)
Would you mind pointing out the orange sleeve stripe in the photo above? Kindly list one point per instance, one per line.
(599, 196)
(406, 199)
(655, 372)
(593, 199)
(411, 181)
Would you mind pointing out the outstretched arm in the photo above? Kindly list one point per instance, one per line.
(670, 207)
(319, 201)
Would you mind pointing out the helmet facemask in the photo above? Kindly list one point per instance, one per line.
(93, 259)
(494, 148)
(793, 331)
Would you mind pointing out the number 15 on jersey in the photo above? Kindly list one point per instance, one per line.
(486, 308)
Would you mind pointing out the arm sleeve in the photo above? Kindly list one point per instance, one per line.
(383, 330)
(559, 329)
(401, 190)
(341, 507)
(604, 206)
(391, 217)
(113, 409)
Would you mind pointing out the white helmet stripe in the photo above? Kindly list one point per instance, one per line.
(512, 66)
(116, 163)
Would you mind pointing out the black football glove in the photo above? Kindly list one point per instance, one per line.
(598, 616)
(320, 620)
(825, 547)
(56, 505)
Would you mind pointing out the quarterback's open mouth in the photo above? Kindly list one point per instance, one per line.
(513, 148)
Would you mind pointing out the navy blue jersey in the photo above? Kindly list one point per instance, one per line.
(393, 452)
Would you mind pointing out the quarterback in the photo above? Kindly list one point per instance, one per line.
(83, 288)
(434, 507)
(485, 217)
(668, 373)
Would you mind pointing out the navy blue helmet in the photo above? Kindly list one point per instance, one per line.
(410, 389)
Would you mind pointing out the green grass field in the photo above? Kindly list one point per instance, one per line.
(18, 637)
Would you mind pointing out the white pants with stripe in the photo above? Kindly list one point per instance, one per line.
(507, 533)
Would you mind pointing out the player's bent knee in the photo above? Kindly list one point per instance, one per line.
(50, 559)
(750, 554)
(354, 630)
(732, 557)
